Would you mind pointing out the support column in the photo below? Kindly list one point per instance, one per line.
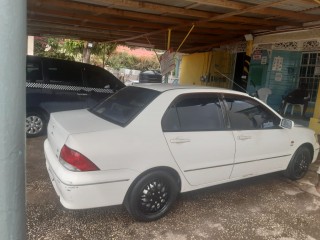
(12, 118)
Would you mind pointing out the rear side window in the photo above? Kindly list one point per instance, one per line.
(194, 112)
(245, 114)
(34, 71)
(99, 78)
(64, 73)
(122, 107)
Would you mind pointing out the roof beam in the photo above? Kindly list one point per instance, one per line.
(245, 10)
(157, 8)
(265, 11)
(97, 10)
(219, 17)
(104, 19)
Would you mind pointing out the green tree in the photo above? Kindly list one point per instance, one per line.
(98, 53)
(121, 60)
(50, 47)
(124, 60)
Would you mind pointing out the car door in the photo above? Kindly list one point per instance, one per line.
(262, 146)
(63, 86)
(100, 84)
(195, 132)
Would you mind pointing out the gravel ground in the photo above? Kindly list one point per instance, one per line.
(265, 207)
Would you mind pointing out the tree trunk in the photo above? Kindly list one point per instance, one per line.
(104, 55)
(86, 53)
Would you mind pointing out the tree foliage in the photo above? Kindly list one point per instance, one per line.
(101, 54)
(50, 47)
(124, 60)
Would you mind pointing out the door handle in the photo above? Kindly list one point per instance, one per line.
(243, 137)
(179, 140)
(82, 94)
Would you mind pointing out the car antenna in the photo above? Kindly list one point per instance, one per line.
(215, 69)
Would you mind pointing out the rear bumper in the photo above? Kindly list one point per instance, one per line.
(81, 190)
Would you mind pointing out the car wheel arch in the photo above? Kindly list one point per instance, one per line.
(168, 170)
(299, 163)
(40, 111)
(309, 147)
(152, 194)
(43, 115)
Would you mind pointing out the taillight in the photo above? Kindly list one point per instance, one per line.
(75, 161)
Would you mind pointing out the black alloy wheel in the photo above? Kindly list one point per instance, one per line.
(299, 164)
(154, 196)
(151, 196)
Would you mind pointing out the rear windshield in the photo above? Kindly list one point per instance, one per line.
(122, 107)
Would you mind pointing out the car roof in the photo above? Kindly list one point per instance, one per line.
(162, 87)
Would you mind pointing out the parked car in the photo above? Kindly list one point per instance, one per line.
(57, 85)
(150, 76)
(176, 139)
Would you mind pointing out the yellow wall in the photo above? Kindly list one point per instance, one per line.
(192, 68)
(315, 120)
(207, 64)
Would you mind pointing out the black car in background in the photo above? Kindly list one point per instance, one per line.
(150, 76)
(57, 85)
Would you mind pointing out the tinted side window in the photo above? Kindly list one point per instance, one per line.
(245, 114)
(98, 78)
(34, 71)
(194, 112)
(64, 73)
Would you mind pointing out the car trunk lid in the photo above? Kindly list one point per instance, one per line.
(64, 124)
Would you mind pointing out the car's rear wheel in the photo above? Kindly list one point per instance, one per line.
(299, 164)
(151, 196)
(35, 124)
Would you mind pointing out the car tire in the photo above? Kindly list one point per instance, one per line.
(299, 164)
(151, 196)
(35, 124)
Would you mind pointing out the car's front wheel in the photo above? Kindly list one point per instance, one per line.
(151, 196)
(35, 124)
(299, 163)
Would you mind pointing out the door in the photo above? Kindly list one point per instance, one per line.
(262, 146)
(194, 129)
(239, 84)
(63, 88)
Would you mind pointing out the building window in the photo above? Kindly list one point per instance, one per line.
(310, 73)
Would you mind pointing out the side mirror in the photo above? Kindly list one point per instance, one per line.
(287, 123)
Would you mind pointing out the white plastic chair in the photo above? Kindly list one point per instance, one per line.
(292, 108)
(263, 94)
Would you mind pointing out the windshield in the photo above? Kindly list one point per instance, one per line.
(122, 107)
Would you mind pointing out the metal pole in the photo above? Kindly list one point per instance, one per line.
(12, 119)
(166, 77)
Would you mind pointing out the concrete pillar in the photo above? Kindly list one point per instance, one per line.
(12, 119)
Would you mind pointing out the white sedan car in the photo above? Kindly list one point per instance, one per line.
(147, 143)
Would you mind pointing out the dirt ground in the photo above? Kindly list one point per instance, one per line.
(265, 207)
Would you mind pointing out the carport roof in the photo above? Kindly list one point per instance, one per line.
(146, 23)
